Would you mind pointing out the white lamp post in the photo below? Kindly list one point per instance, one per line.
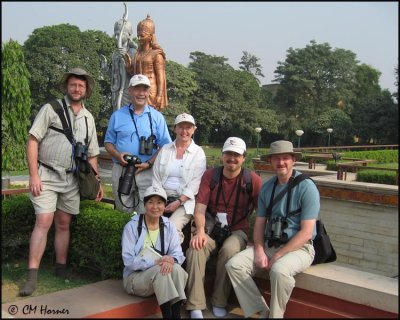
(299, 133)
(329, 130)
(258, 130)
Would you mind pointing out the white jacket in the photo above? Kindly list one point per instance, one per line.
(194, 165)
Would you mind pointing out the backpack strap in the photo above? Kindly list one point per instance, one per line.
(248, 185)
(294, 182)
(61, 112)
(140, 225)
(161, 223)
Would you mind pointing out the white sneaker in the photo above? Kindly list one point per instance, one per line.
(196, 314)
(219, 312)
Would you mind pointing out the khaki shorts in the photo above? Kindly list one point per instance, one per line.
(59, 191)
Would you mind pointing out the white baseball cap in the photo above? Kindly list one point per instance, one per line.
(138, 79)
(234, 144)
(154, 191)
(184, 117)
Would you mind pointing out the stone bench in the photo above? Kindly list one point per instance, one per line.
(330, 290)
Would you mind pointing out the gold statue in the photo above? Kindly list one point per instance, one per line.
(150, 60)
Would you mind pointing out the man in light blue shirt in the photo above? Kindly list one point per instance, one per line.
(282, 235)
(136, 130)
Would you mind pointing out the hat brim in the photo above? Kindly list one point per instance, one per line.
(90, 83)
(296, 154)
(233, 149)
(190, 122)
(140, 84)
(146, 198)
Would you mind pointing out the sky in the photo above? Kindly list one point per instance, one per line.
(264, 29)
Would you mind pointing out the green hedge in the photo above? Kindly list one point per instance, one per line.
(384, 158)
(377, 176)
(96, 239)
(17, 221)
(95, 244)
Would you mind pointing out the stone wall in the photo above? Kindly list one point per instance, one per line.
(364, 232)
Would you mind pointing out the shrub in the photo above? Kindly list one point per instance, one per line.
(377, 176)
(96, 239)
(95, 244)
(17, 224)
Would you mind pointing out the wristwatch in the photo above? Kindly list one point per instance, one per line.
(150, 163)
(180, 202)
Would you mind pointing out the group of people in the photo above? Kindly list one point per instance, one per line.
(171, 178)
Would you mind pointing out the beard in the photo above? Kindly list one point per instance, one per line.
(76, 100)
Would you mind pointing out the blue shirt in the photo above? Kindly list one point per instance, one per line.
(305, 196)
(132, 245)
(121, 131)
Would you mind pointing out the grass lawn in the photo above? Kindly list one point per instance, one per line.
(14, 276)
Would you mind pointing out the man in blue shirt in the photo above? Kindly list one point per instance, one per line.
(136, 130)
(282, 235)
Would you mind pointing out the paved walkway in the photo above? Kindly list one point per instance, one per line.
(104, 299)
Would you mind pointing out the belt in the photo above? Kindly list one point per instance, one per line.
(52, 169)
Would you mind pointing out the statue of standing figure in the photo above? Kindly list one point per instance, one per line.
(121, 64)
(150, 60)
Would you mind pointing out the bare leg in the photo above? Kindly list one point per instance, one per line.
(39, 239)
(37, 246)
(62, 221)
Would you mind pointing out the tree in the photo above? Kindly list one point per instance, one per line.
(52, 50)
(227, 100)
(15, 108)
(314, 79)
(249, 63)
(181, 85)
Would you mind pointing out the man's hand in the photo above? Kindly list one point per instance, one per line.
(198, 241)
(260, 259)
(100, 194)
(35, 185)
(274, 258)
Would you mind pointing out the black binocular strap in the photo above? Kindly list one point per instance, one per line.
(70, 125)
(293, 181)
(134, 122)
(161, 224)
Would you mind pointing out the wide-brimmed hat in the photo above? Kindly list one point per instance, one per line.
(184, 117)
(154, 191)
(282, 147)
(139, 79)
(78, 72)
(234, 144)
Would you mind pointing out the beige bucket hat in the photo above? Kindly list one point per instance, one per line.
(78, 72)
(282, 147)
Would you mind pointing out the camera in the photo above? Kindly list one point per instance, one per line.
(125, 182)
(146, 146)
(219, 233)
(274, 230)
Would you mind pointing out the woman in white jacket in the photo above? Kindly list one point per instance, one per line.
(178, 170)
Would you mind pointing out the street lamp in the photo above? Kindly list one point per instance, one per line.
(299, 133)
(258, 130)
(329, 130)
